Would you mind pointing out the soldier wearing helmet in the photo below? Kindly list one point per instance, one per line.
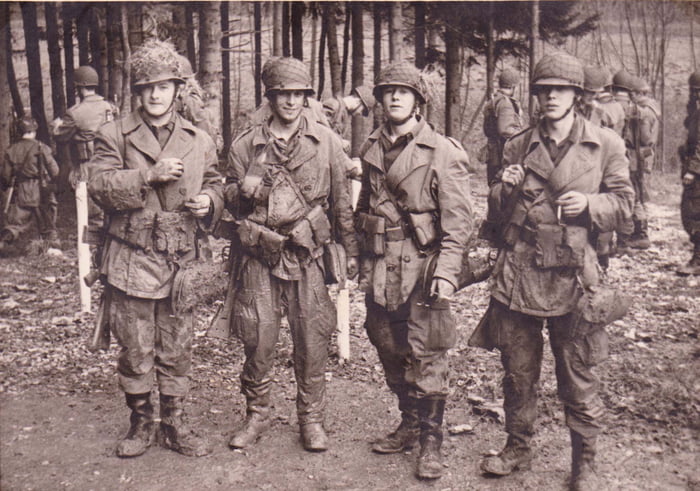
(414, 206)
(156, 176)
(690, 176)
(340, 110)
(27, 172)
(564, 180)
(286, 187)
(502, 119)
(613, 110)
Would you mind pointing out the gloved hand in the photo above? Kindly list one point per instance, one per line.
(199, 205)
(353, 267)
(688, 178)
(441, 290)
(165, 170)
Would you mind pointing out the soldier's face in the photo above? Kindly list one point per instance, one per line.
(399, 103)
(157, 99)
(555, 100)
(288, 104)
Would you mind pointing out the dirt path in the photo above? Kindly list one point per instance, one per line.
(61, 413)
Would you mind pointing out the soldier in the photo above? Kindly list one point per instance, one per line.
(563, 180)
(190, 104)
(501, 120)
(613, 109)
(340, 110)
(155, 175)
(690, 173)
(640, 135)
(288, 176)
(414, 205)
(27, 172)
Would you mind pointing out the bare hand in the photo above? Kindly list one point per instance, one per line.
(688, 178)
(165, 170)
(353, 267)
(199, 205)
(441, 289)
(572, 203)
(513, 175)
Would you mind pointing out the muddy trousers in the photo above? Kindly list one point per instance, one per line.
(19, 219)
(154, 341)
(412, 344)
(518, 336)
(258, 307)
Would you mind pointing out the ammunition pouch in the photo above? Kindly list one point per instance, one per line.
(598, 306)
(85, 149)
(335, 263)
(424, 229)
(134, 229)
(261, 242)
(559, 246)
(312, 231)
(372, 228)
(174, 232)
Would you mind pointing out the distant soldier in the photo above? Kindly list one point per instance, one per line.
(562, 180)
(156, 177)
(27, 175)
(502, 119)
(287, 184)
(690, 174)
(340, 110)
(613, 109)
(640, 135)
(414, 210)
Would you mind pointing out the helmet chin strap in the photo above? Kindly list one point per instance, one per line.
(566, 113)
(414, 112)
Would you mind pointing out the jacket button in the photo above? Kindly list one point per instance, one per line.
(407, 259)
(307, 187)
(390, 268)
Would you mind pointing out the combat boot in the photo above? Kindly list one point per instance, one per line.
(516, 455)
(623, 244)
(142, 431)
(313, 437)
(583, 474)
(430, 414)
(174, 432)
(693, 266)
(640, 237)
(405, 436)
(256, 422)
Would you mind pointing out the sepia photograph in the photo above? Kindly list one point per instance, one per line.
(361, 245)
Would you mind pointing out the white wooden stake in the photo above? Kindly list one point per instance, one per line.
(81, 202)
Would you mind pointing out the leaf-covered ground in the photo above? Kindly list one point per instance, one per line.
(61, 410)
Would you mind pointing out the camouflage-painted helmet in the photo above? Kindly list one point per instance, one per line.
(185, 66)
(86, 76)
(27, 124)
(694, 80)
(623, 80)
(155, 61)
(365, 95)
(401, 74)
(595, 78)
(560, 69)
(286, 74)
(508, 78)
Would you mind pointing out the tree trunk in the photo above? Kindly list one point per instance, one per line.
(277, 29)
(691, 18)
(6, 119)
(285, 29)
(534, 35)
(210, 58)
(58, 97)
(322, 54)
(67, 20)
(358, 74)
(82, 27)
(126, 67)
(330, 10)
(297, 30)
(346, 46)
(135, 24)
(191, 46)
(419, 33)
(36, 86)
(257, 50)
(179, 31)
(99, 50)
(314, 47)
(490, 50)
(377, 57)
(395, 34)
(432, 113)
(453, 78)
(226, 80)
(114, 54)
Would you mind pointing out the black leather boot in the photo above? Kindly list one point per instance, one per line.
(430, 414)
(405, 436)
(142, 431)
(256, 422)
(174, 432)
(516, 455)
(583, 474)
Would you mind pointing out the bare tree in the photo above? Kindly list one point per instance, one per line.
(36, 86)
(179, 32)
(297, 27)
(5, 97)
(82, 27)
(189, 27)
(419, 33)
(358, 76)
(58, 97)
(322, 54)
(126, 68)
(67, 21)
(330, 12)
(346, 45)
(226, 81)
(285, 29)
(210, 58)
(453, 79)
(114, 54)
(534, 35)
(277, 28)
(395, 35)
(257, 27)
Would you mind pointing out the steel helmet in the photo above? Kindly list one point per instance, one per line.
(401, 74)
(86, 76)
(365, 95)
(185, 66)
(694, 80)
(155, 61)
(623, 80)
(27, 124)
(595, 79)
(286, 74)
(640, 85)
(509, 78)
(560, 69)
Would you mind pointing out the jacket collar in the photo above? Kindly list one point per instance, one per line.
(141, 137)
(424, 135)
(308, 128)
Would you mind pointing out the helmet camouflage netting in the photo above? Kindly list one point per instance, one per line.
(155, 61)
